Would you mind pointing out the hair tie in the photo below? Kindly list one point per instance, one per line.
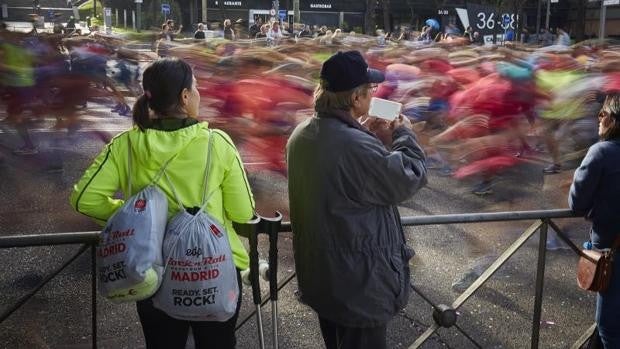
(147, 93)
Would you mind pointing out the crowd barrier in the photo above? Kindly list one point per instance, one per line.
(444, 315)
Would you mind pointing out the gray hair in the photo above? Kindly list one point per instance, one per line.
(325, 101)
(612, 108)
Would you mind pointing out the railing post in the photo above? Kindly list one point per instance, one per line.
(540, 279)
(93, 289)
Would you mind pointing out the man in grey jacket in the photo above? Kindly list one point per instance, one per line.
(345, 181)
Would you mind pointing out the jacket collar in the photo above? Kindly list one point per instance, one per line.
(345, 118)
(171, 124)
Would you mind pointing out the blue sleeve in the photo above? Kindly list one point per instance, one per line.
(586, 180)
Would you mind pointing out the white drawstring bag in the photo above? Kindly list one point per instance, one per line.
(129, 257)
(200, 278)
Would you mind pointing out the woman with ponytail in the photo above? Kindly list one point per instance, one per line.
(166, 126)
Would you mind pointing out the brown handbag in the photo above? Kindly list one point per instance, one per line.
(594, 268)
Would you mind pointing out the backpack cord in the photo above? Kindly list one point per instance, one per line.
(204, 204)
(205, 198)
(159, 173)
(128, 167)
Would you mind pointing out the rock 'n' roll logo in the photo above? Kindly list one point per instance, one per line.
(215, 231)
(140, 205)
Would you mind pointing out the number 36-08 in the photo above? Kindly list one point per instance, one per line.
(489, 22)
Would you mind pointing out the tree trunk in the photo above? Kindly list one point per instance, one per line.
(386, 16)
(296, 13)
(369, 18)
(413, 14)
(223, 13)
(580, 20)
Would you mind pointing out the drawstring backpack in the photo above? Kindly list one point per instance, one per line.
(200, 278)
(129, 257)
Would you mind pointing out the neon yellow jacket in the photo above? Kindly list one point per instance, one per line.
(93, 195)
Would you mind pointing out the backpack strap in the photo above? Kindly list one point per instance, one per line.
(159, 173)
(178, 238)
(128, 166)
(207, 169)
(205, 197)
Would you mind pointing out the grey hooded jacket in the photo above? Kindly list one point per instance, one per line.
(351, 257)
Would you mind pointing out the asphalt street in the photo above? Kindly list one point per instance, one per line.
(34, 192)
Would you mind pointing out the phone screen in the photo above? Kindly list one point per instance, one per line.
(384, 109)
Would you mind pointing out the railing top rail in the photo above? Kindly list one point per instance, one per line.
(488, 217)
(92, 237)
(477, 217)
(88, 237)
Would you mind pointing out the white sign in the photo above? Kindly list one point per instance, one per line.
(611, 2)
(272, 12)
(488, 39)
(320, 5)
(488, 22)
(138, 1)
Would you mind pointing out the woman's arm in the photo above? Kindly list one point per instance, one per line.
(586, 180)
(236, 193)
(93, 193)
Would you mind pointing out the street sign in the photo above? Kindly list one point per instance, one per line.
(138, 1)
(611, 2)
(272, 12)
(165, 9)
(282, 14)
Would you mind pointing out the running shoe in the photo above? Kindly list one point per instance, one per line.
(26, 151)
(125, 110)
(553, 168)
(483, 188)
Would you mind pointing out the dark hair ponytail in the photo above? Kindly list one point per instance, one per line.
(141, 112)
(162, 82)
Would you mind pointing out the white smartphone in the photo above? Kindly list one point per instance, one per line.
(384, 109)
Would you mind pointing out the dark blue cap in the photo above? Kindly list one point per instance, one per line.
(345, 71)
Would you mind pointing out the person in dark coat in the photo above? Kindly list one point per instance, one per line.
(594, 193)
(255, 28)
(200, 32)
(351, 256)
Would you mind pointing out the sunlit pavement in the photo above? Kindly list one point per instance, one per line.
(35, 201)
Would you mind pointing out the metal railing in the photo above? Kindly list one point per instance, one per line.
(89, 240)
(443, 315)
(446, 316)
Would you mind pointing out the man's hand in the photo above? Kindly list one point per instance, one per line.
(401, 120)
(381, 128)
